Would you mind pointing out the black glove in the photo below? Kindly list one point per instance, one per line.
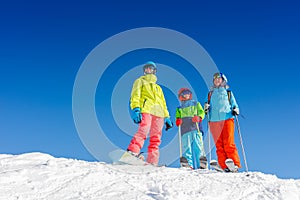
(235, 111)
(206, 108)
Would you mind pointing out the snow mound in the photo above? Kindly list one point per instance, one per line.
(41, 176)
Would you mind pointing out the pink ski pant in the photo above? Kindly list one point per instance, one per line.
(153, 125)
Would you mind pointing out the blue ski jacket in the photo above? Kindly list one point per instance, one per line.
(220, 107)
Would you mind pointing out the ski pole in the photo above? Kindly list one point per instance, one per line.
(241, 140)
(208, 135)
(201, 139)
(179, 139)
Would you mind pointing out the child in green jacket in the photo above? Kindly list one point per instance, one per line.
(189, 117)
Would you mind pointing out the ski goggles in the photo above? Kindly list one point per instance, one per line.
(217, 75)
(184, 92)
(150, 66)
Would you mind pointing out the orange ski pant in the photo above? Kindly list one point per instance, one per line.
(153, 125)
(223, 134)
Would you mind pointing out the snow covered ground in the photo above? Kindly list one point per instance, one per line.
(36, 176)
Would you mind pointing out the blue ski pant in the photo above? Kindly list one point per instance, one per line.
(191, 148)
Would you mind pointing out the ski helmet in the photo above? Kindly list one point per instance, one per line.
(151, 65)
(184, 91)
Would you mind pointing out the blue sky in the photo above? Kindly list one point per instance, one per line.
(256, 44)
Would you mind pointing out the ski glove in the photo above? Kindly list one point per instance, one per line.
(168, 123)
(178, 122)
(206, 107)
(235, 111)
(196, 119)
(136, 115)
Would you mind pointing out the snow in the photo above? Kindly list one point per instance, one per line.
(38, 176)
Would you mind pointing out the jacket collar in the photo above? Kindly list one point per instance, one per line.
(150, 78)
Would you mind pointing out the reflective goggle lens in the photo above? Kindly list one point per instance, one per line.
(217, 75)
(149, 66)
(185, 92)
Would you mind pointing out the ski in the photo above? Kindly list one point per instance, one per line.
(231, 167)
(184, 163)
(215, 166)
(203, 162)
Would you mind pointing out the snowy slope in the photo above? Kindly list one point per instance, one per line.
(41, 176)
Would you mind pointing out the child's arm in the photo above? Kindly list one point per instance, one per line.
(178, 117)
(200, 111)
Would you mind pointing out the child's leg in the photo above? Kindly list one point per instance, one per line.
(139, 138)
(155, 139)
(186, 140)
(196, 149)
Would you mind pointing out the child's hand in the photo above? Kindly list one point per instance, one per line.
(206, 108)
(196, 119)
(178, 122)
